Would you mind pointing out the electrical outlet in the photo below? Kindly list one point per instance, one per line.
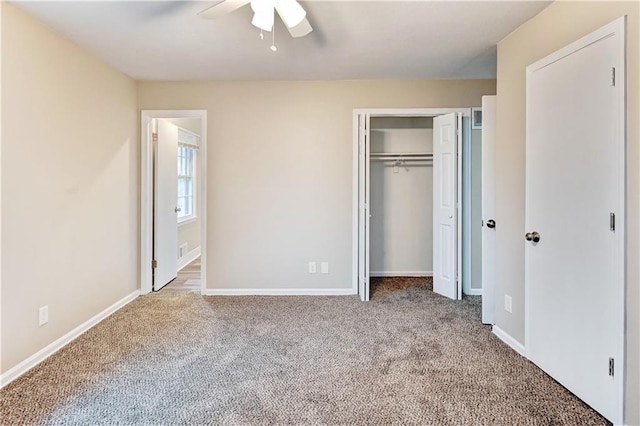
(43, 315)
(507, 303)
(324, 268)
(312, 267)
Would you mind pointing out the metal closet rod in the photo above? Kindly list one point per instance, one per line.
(399, 154)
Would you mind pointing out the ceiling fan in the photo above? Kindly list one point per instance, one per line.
(292, 14)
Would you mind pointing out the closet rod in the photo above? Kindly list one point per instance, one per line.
(424, 158)
(399, 154)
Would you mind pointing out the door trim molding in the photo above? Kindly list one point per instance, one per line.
(617, 28)
(374, 113)
(146, 192)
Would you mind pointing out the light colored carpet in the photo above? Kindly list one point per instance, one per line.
(177, 358)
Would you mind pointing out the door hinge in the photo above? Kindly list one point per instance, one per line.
(154, 137)
(611, 367)
(613, 77)
(612, 221)
(154, 264)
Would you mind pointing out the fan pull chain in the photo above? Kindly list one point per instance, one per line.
(261, 34)
(273, 38)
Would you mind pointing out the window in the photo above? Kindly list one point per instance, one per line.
(187, 151)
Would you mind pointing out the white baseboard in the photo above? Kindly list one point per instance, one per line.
(44, 353)
(188, 258)
(279, 291)
(401, 273)
(510, 341)
(473, 292)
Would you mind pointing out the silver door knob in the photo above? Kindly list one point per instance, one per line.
(534, 236)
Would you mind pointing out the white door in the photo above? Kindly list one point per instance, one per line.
(165, 224)
(446, 140)
(488, 209)
(364, 216)
(575, 246)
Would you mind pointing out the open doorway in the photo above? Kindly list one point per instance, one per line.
(173, 201)
(188, 217)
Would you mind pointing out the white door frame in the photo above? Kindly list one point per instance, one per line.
(395, 112)
(146, 193)
(619, 143)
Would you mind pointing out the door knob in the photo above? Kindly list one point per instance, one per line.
(177, 209)
(491, 223)
(534, 236)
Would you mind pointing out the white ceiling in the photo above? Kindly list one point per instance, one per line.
(352, 40)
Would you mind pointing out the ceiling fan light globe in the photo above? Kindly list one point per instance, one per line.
(259, 6)
(290, 11)
(263, 20)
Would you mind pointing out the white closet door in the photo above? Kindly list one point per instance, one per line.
(445, 212)
(364, 201)
(488, 209)
(165, 224)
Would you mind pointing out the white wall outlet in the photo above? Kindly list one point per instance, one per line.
(43, 315)
(324, 268)
(312, 267)
(508, 303)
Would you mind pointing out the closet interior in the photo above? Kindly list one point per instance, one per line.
(401, 176)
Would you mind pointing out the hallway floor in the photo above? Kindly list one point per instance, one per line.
(188, 278)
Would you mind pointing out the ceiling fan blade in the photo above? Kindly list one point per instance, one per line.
(300, 30)
(290, 11)
(222, 8)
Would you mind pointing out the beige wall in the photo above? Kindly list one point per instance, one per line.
(556, 26)
(69, 186)
(189, 233)
(191, 124)
(280, 170)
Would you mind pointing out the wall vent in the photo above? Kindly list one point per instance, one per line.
(182, 250)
